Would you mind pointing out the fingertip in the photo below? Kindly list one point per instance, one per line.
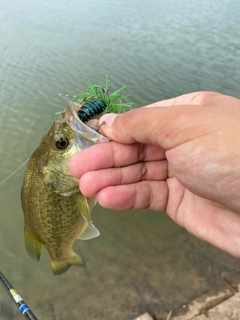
(103, 197)
(115, 198)
(72, 164)
(108, 119)
(85, 186)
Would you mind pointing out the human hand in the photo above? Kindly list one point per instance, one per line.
(180, 156)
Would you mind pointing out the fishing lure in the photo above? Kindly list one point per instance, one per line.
(97, 100)
(90, 109)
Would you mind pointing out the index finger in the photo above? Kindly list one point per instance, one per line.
(113, 154)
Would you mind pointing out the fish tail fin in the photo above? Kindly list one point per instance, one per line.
(32, 243)
(59, 267)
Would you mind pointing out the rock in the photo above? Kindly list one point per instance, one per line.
(145, 316)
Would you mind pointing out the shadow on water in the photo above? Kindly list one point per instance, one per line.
(142, 261)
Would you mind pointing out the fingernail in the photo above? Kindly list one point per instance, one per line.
(108, 119)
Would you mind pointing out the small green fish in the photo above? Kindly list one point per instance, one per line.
(55, 212)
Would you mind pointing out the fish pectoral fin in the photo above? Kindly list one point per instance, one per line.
(61, 266)
(59, 182)
(90, 232)
(84, 208)
(32, 243)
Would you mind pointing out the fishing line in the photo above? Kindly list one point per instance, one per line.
(14, 171)
(23, 308)
(60, 94)
(66, 95)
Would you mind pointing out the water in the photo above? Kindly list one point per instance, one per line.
(158, 49)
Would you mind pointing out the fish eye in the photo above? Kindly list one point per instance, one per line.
(62, 143)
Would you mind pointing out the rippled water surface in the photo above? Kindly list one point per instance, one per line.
(159, 49)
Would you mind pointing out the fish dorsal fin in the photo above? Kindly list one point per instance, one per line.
(89, 233)
(84, 208)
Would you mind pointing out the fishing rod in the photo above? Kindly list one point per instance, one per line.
(23, 308)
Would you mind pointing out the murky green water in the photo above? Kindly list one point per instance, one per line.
(158, 49)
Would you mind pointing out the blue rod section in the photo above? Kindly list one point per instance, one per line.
(23, 308)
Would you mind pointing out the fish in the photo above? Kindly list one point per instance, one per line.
(56, 213)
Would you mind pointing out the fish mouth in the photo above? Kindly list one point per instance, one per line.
(83, 132)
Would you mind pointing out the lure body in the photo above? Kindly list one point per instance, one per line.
(90, 109)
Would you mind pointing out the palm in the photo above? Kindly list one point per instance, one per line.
(206, 219)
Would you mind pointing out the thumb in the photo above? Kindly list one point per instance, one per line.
(164, 126)
(107, 119)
